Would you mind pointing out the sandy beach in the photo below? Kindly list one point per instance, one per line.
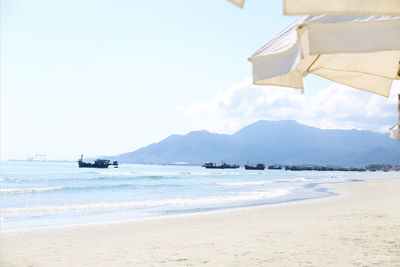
(358, 227)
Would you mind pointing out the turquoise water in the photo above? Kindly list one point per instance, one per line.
(36, 194)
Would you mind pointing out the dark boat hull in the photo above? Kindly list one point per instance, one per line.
(99, 163)
(247, 167)
(274, 168)
(221, 167)
(210, 165)
(214, 167)
(91, 165)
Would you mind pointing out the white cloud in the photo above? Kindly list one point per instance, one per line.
(335, 107)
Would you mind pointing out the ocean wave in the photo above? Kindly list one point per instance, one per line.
(115, 173)
(241, 197)
(9, 179)
(7, 191)
(160, 174)
(298, 179)
(226, 172)
(80, 179)
(135, 174)
(244, 183)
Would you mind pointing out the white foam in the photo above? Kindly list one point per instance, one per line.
(155, 173)
(5, 191)
(240, 197)
(244, 183)
(299, 179)
(116, 173)
(139, 174)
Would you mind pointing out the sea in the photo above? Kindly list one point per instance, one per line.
(45, 194)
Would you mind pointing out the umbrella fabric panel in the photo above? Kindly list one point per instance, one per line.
(292, 79)
(367, 82)
(332, 7)
(265, 67)
(353, 37)
(383, 64)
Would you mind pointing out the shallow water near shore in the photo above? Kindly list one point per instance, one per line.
(37, 194)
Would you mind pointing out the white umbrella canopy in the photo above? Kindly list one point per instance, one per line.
(335, 7)
(359, 51)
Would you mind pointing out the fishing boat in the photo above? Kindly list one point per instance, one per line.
(211, 165)
(259, 166)
(98, 163)
(275, 167)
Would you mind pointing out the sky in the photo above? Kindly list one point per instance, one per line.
(108, 77)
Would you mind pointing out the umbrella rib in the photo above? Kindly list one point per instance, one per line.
(361, 72)
(398, 72)
(308, 70)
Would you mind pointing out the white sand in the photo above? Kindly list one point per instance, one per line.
(361, 227)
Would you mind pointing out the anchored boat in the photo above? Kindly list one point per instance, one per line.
(211, 165)
(275, 167)
(98, 163)
(259, 166)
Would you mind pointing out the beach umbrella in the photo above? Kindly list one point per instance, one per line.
(359, 51)
(336, 7)
(239, 3)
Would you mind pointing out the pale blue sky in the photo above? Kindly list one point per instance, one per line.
(107, 77)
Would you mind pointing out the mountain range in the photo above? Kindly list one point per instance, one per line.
(270, 142)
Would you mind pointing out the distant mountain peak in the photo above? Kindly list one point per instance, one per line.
(269, 142)
(199, 132)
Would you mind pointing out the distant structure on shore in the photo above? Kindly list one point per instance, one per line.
(180, 163)
(37, 157)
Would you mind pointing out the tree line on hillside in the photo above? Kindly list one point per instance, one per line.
(382, 167)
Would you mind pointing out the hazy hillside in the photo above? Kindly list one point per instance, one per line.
(284, 142)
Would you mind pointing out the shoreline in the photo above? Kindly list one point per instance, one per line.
(323, 187)
(358, 226)
(177, 215)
